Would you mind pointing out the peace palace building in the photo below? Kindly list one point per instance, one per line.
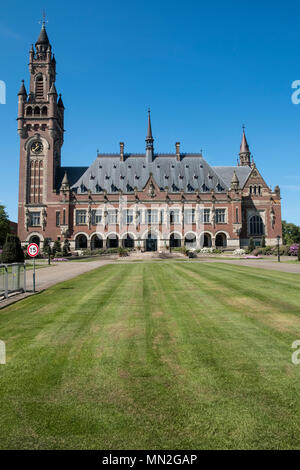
(148, 201)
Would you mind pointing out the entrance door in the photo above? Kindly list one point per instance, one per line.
(151, 243)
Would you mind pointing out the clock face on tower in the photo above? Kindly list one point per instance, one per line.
(37, 147)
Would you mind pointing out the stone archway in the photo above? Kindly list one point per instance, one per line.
(81, 242)
(35, 239)
(207, 241)
(128, 241)
(221, 240)
(175, 240)
(190, 241)
(112, 241)
(96, 242)
(151, 242)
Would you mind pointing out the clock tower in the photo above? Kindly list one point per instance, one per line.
(41, 129)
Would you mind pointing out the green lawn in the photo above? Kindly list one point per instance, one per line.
(154, 355)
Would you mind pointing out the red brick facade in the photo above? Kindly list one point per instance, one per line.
(53, 206)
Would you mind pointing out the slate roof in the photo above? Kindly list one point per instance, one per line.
(73, 174)
(191, 173)
(226, 173)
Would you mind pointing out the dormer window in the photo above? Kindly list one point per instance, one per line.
(205, 189)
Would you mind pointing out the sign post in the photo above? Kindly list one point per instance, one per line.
(33, 251)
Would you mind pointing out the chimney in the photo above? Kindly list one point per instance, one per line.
(122, 151)
(177, 146)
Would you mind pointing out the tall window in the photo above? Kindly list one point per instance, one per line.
(237, 215)
(189, 216)
(128, 216)
(81, 217)
(151, 216)
(96, 217)
(39, 88)
(174, 216)
(35, 219)
(57, 219)
(205, 216)
(256, 225)
(112, 217)
(220, 216)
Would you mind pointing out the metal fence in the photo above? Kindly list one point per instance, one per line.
(12, 279)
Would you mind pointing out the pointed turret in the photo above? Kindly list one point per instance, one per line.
(43, 37)
(52, 90)
(22, 90)
(60, 103)
(244, 151)
(149, 140)
(65, 183)
(235, 183)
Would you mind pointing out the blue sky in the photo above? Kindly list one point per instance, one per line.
(204, 68)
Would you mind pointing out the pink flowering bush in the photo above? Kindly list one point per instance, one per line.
(294, 249)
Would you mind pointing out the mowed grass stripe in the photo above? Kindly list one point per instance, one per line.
(151, 355)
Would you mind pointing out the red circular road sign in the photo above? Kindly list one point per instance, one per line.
(33, 250)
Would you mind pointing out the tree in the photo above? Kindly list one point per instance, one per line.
(66, 247)
(12, 250)
(251, 245)
(47, 247)
(4, 225)
(299, 252)
(290, 233)
(56, 247)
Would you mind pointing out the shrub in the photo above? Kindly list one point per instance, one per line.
(122, 251)
(298, 254)
(47, 247)
(239, 252)
(66, 247)
(294, 250)
(263, 242)
(58, 254)
(251, 245)
(206, 250)
(56, 247)
(12, 250)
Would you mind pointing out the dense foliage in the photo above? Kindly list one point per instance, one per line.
(12, 250)
(4, 225)
(290, 233)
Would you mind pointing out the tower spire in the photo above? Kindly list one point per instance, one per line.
(149, 140)
(244, 150)
(149, 137)
(43, 37)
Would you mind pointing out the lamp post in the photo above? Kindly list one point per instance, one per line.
(278, 252)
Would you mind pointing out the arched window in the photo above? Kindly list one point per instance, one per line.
(39, 88)
(44, 111)
(37, 111)
(256, 225)
(29, 111)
